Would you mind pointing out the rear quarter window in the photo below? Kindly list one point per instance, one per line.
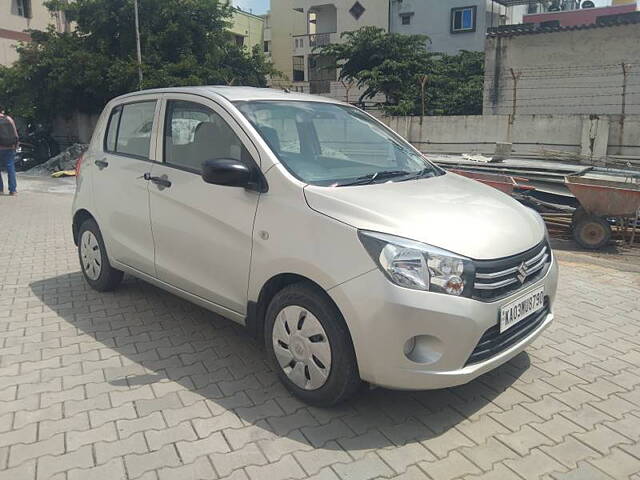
(129, 130)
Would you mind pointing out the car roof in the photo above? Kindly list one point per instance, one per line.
(234, 94)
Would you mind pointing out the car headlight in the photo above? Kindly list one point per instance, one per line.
(419, 266)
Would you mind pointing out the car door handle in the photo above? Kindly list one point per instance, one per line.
(101, 164)
(161, 181)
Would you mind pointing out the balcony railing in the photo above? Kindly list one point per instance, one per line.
(306, 43)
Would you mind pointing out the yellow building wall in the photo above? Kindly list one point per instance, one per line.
(285, 22)
(250, 26)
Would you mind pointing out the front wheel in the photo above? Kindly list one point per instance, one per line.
(310, 346)
(97, 270)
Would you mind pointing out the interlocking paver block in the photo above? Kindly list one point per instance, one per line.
(226, 463)
(333, 430)
(150, 422)
(158, 438)
(277, 447)
(201, 469)
(49, 428)
(535, 465)
(191, 450)
(313, 461)
(112, 470)
(23, 435)
(618, 464)
(206, 426)
(239, 437)
(139, 464)
(48, 465)
(26, 471)
(455, 465)
(105, 451)
(20, 452)
(284, 468)
(124, 412)
(402, 457)
(584, 471)
(570, 452)
(106, 432)
(168, 402)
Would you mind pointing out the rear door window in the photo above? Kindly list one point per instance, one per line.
(130, 128)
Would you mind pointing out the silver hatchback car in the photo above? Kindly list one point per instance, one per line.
(320, 229)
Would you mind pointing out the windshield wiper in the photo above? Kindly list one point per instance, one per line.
(427, 172)
(372, 177)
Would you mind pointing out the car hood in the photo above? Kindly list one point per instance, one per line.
(451, 212)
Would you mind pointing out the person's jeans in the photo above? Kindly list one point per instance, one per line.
(8, 161)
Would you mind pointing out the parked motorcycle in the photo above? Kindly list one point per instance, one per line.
(36, 146)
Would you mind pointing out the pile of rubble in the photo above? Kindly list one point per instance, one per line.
(65, 160)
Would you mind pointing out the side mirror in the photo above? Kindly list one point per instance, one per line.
(226, 171)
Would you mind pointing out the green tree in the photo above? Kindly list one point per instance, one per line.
(184, 42)
(396, 65)
(380, 62)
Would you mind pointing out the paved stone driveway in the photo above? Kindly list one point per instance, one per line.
(138, 384)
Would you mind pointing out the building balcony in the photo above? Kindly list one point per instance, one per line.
(304, 44)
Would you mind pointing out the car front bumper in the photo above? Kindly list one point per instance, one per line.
(383, 317)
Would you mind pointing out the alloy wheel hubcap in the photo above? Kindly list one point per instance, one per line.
(90, 255)
(302, 347)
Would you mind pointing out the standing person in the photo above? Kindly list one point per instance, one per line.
(8, 145)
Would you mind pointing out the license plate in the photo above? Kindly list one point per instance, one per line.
(522, 307)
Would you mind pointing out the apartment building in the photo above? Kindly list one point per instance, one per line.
(297, 27)
(247, 28)
(16, 16)
(454, 25)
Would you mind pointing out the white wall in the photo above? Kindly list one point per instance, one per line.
(577, 71)
(583, 136)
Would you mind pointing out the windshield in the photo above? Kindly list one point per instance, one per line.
(334, 145)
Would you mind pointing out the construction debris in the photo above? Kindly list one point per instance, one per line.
(64, 161)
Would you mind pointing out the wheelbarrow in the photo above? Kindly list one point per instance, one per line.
(600, 200)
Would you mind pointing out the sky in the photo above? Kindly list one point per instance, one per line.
(254, 6)
(261, 6)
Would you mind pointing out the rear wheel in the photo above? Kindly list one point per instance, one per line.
(309, 345)
(97, 270)
(592, 232)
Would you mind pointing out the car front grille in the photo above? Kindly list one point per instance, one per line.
(495, 279)
(493, 342)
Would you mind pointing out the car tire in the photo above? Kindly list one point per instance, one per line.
(323, 370)
(94, 262)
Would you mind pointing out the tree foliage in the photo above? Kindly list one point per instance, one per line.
(184, 42)
(395, 65)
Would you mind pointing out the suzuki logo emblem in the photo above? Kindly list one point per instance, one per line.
(522, 272)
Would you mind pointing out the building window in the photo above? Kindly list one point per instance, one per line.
(405, 18)
(239, 40)
(267, 46)
(463, 19)
(298, 69)
(24, 8)
(357, 10)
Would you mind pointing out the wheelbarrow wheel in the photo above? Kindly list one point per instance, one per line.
(592, 232)
(578, 214)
